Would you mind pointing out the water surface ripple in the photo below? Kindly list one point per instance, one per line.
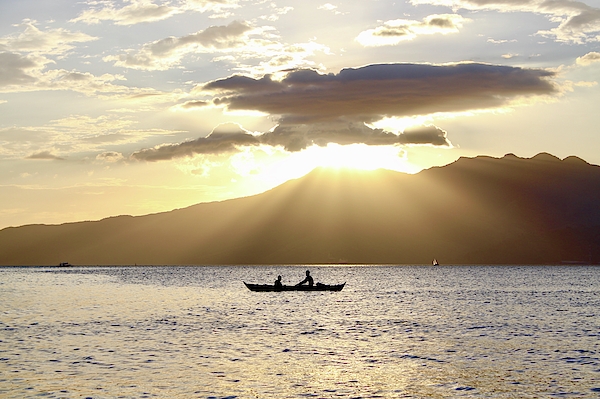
(393, 332)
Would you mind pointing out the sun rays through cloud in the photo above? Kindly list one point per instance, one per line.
(233, 97)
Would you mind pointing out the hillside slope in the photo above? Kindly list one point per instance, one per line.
(475, 211)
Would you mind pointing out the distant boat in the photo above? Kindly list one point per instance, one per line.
(272, 288)
(435, 262)
(64, 264)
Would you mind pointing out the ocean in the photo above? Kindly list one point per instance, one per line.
(393, 332)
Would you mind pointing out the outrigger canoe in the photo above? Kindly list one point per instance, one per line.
(272, 288)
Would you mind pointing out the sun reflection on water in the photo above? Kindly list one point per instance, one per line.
(393, 332)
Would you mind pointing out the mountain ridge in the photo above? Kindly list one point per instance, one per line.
(480, 210)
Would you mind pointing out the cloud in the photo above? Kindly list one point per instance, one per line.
(25, 73)
(577, 21)
(136, 12)
(19, 142)
(428, 134)
(223, 139)
(235, 43)
(45, 155)
(75, 136)
(275, 57)
(586, 84)
(21, 72)
(399, 30)
(297, 137)
(139, 11)
(29, 147)
(588, 59)
(501, 41)
(329, 7)
(165, 53)
(370, 93)
(52, 41)
(110, 157)
(217, 6)
(16, 69)
(230, 137)
(83, 82)
(191, 105)
(276, 12)
(319, 109)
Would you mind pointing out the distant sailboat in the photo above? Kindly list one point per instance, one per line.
(435, 262)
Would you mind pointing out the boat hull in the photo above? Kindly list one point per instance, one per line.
(272, 288)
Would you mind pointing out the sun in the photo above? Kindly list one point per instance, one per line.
(264, 168)
(357, 156)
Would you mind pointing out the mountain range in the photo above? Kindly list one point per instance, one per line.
(482, 210)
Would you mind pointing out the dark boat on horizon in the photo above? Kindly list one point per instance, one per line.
(273, 288)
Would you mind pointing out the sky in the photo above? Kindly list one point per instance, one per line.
(136, 107)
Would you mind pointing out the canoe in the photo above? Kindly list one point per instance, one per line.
(316, 287)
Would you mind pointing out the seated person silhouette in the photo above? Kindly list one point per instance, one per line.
(308, 280)
(278, 282)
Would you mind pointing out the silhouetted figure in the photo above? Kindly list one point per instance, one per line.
(278, 282)
(308, 280)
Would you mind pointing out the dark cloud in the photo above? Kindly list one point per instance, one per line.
(194, 104)
(318, 109)
(45, 155)
(13, 69)
(76, 77)
(394, 32)
(296, 137)
(224, 138)
(426, 135)
(441, 22)
(373, 92)
(237, 83)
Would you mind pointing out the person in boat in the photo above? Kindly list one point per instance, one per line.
(308, 280)
(278, 283)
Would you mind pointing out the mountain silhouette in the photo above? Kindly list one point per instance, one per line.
(482, 210)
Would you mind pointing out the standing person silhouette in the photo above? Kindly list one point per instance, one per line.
(308, 280)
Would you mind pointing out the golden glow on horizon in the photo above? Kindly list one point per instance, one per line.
(353, 156)
(256, 169)
(358, 156)
(273, 168)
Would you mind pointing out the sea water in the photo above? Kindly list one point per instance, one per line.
(393, 332)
